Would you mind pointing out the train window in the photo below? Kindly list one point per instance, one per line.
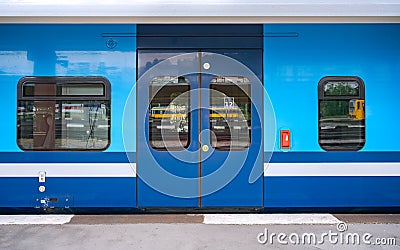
(169, 115)
(63, 113)
(230, 113)
(341, 113)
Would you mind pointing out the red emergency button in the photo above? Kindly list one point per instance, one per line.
(285, 139)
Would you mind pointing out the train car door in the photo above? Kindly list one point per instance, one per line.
(233, 94)
(167, 130)
(199, 125)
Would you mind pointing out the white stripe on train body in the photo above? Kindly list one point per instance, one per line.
(68, 169)
(129, 169)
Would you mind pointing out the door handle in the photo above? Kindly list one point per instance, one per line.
(205, 148)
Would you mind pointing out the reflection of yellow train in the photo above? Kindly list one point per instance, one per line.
(171, 112)
(357, 109)
(180, 112)
(223, 112)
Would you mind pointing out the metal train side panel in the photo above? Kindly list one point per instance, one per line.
(67, 50)
(296, 57)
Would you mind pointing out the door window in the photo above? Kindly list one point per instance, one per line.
(169, 116)
(230, 113)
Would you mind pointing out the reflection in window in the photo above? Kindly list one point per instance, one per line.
(149, 58)
(341, 114)
(49, 120)
(169, 113)
(342, 88)
(230, 113)
(65, 89)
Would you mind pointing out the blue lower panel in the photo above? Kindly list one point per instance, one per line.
(279, 192)
(331, 192)
(68, 192)
(239, 192)
(148, 197)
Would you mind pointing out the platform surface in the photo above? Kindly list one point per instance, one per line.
(198, 231)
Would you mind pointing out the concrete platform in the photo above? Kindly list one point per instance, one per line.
(215, 231)
(217, 219)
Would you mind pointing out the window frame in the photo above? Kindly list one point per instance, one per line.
(322, 97)
(66, 80)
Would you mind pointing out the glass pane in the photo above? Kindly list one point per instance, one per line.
(80, 89)
(149, 58)
(348, 88)
(43, 89)
(230, 113)
(342, 125)
(64, 89)
(63, 125)
(169, 113)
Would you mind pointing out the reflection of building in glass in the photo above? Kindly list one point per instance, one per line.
(171, 117)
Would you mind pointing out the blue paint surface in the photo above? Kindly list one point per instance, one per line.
(285, 192)
(66, 50)
(279, 192)
(315, 157)
(121, 157)
(293, 66)
(159, 172)
(81, 192)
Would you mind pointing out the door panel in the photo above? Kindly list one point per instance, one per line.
(209, 140)
(166, 150)
(237, 138)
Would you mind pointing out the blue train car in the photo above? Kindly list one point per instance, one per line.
(251, 115)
